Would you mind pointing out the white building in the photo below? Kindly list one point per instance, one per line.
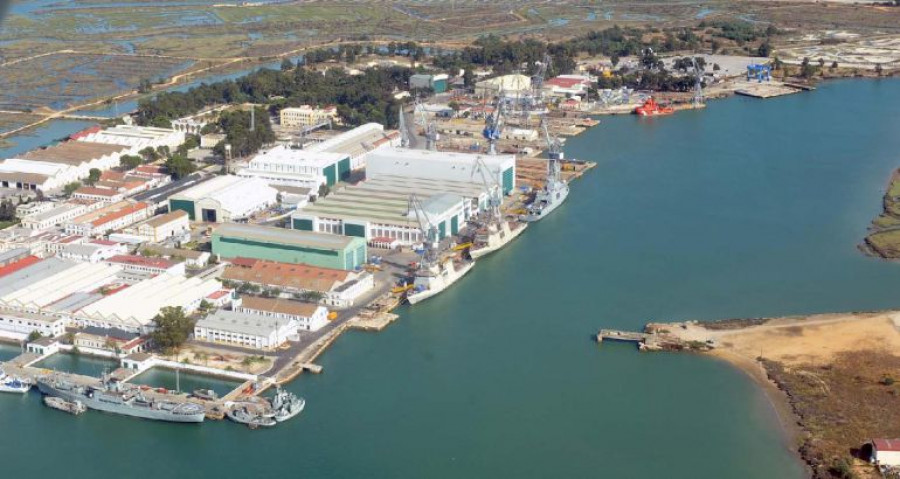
(18, 324)
(91, 252)
(58, 215)
(90, 193)
(443, 165)
(358, 143)
(380, 208)
(306, 115)
(162, 227)
(242, 329)
(143, 266)
(134, 137)
(886, 452)
(508, 84)
(54, 167)
(307, 316)
(224, 198)
(286, 166)
(108, 219)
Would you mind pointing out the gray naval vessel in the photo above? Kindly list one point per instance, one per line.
(109, 396)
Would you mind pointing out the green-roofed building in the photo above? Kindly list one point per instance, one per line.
(232, 240)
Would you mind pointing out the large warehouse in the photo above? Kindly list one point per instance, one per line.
(379, 208)
(224, 198)
(301, 168)
(358, 143)
(443, 165)
(234, 240)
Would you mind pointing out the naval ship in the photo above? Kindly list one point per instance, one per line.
(555, 190)
(109, 396)
(435, 277)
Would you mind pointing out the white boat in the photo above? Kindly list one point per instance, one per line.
(436, 278)
(491, 238)
(546, 200)
(12, 384)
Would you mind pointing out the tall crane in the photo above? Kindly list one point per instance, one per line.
(493, 125)
(698, 82)
(554, 152)
(429, 231)
(491, 188)
(404, 134)
(537, 80)
(431, 134)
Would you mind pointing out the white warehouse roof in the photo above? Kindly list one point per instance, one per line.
(236, 194)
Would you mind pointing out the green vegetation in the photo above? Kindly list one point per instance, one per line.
(172, 328)
(884, 237)
(34, 336)
(93, 177)
(243, 140)
(360, 98)
(130, 162)
(71, 187)
(180, 166)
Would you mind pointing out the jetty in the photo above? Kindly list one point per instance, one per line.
(652, 339)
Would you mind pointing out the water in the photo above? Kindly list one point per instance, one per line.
(78, 364)
(9, 351)
(44, 135)
(748, 208)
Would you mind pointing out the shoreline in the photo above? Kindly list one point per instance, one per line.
(790, 429)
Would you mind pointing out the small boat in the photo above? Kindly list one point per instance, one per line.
(651, 108)
(243, 415)
(60, 404)
(286, 405)
(12, 384)
(205, 394)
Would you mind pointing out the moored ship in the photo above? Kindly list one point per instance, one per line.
(109, 396)
(436, 277)
(494, 236)
(652, 108)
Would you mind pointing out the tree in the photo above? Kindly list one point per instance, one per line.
(468, 78)
(834, 65)
(71, 187)
(149, 154)
(310, 296)
(171, 328)
(130, 162)
(7, 210)
(34, 336)
(764, 50)
(180, 166)
(93, 176)
(806, 70)
(286, 65)
(323, 190)
(145, 86)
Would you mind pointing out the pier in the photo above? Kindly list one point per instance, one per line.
(625, 336)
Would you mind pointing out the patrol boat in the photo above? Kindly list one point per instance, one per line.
(286, 405)
(110, 396)
(555, 190)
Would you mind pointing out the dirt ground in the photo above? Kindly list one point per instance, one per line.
(222, 359)
(833, 379)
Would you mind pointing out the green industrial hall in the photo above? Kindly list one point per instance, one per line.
(234, 240)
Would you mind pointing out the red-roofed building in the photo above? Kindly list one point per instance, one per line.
(16, 266)
(567, 85)
(885, 452)
(144, 265)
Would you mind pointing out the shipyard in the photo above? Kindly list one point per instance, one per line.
(332, 231)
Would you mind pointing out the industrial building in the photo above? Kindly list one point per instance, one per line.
(234, 240)
(358, 143)
(224, 198)
(162, 227)
(515, 84)
(109, 218)
(305, 115)
(131, 136)
(307, 316)
(339, 288)
(286, 166)
(444, 166)
(52, 168)
(438, 83)
(243, 329)
(380, 208)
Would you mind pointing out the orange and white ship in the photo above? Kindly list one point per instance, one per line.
(651, 108)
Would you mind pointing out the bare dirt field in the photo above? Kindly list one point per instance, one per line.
(831, 378)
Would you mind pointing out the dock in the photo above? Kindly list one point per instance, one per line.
(654, 340)
(625, 336)
(771, 89)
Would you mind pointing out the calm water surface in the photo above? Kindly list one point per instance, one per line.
(749, 208)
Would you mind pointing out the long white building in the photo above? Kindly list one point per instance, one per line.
(358, 143)
(224, 198)
(286, 166)
(444, 166)
(134, 137)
